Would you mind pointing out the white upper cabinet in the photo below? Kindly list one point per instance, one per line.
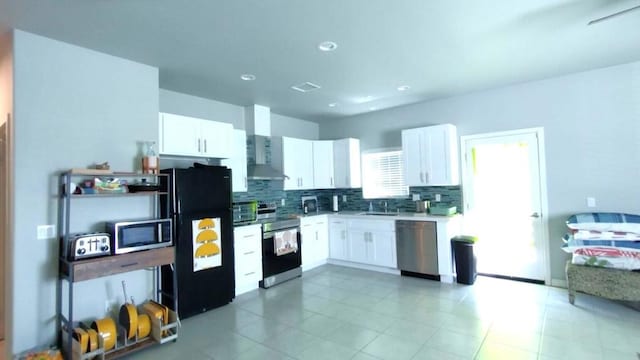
(295, 158)
(238, 161)
(430, 156)
(323, 164)
(346, 163)
(188, 136)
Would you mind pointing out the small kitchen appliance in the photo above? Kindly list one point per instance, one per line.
(422, 206)
(309, 204)
(88, 245)
(245, 212)
(136, 235)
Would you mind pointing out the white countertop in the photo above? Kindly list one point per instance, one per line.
(391, 215)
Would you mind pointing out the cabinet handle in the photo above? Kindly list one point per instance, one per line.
(198, 145)
(245, 182)
(128, 265)
(421, 177)
(205, 145)
(331, 180)
(251, 273)
(426, 177)
(248, 236)
(301, 182)
(250, 252)
(346, 180)
(316, 236)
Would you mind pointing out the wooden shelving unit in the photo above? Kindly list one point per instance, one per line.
(72, 272)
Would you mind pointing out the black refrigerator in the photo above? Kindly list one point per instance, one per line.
(200, 207)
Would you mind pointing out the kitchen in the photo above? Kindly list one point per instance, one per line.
(129, 90)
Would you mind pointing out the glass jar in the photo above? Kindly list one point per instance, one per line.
(150, 159)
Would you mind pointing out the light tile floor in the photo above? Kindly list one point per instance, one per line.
(335, 313)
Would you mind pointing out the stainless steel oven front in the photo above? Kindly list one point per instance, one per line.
(281, 252)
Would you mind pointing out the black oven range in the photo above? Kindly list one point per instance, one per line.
(281, 246)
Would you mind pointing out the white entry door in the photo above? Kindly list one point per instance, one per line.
(503, 202)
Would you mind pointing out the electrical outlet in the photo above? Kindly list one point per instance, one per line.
(415, 197)
(591, 202)
(46, 232)
(344, 198)
(283, 202)
(438, 197)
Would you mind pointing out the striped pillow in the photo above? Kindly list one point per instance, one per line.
(603, 221)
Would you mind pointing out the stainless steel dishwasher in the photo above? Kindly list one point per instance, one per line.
(417, 248)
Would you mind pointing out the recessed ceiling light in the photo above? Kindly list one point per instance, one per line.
(404, 87)
(247, 77)
(333, 104)
(327, 46)
(373, 108)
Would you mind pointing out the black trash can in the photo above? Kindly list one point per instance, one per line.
(465, 259)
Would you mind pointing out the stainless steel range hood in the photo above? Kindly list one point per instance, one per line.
(258, 125)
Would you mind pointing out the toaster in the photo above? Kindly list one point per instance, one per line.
(87, 245)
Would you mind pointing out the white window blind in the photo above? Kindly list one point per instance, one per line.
(382, 175)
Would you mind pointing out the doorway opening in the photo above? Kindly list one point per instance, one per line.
(504, 194)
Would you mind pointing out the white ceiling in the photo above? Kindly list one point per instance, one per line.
(439, 48)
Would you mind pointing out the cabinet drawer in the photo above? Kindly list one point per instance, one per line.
(248, 262)
(247, 240)
(244, 248)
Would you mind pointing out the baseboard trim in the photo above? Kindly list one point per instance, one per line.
(561, 283)
(364, 266)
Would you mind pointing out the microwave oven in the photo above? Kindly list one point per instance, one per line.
(137, 235)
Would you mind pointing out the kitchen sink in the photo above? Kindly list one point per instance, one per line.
(379, 213)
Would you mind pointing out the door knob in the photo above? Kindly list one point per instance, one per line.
(535, 215)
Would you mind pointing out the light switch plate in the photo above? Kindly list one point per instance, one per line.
(283, 202)
(591, 202)
(46, 232)
(344, 198)
(415, 197)
(438, 197)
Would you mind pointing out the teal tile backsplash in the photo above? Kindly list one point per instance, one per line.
(271, 191)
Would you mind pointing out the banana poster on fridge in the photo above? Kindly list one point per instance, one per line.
(207, 247)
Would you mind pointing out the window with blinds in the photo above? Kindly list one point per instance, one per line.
(382, 175)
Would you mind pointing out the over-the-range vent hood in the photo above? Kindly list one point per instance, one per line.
(258, 122)
(261, 170)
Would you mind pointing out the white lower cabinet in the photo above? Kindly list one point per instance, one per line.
(248, 257)
(371, 242)
(338, 240)
(314, 233)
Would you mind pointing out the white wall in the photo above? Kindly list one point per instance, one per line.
(189, 105)
(72, 107)
(287, 126)
(592, 135)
